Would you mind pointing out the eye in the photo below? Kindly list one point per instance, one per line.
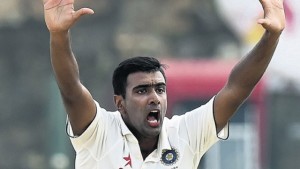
(141, 91)
(161, 90)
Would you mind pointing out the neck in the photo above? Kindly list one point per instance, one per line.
(147, 146)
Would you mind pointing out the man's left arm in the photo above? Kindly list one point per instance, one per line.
(249, 70)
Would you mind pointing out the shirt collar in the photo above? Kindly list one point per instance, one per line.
(163, 141)
(123, 126)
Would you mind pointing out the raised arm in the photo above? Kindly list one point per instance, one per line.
(246, 74)
(79, 104)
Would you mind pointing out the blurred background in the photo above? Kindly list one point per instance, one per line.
(196, 37)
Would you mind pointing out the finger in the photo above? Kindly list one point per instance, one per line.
(260, 21)
(83, 11)
(264, 22)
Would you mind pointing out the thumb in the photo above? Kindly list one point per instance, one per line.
(81, 12)
(264, 22)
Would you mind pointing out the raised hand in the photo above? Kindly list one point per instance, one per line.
(274, 17)
(60, 14)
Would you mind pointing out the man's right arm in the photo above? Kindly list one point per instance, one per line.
(79, 104)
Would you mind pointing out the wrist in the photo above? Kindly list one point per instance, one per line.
(59, 33)
(272, 35)
(60, 36)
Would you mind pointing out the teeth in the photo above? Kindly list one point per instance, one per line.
(153, 121)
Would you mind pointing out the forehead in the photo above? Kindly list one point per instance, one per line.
(143, 78)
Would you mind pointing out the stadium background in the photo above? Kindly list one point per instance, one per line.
(32, 132)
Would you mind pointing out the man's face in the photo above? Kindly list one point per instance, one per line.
(145, 104)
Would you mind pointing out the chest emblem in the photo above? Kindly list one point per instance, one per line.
(169, 157)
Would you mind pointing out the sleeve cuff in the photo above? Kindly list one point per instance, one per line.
(224, 133)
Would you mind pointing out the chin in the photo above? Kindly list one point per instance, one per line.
(155, 131)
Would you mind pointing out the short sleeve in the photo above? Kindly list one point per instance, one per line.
(201, 128)
(92, 133)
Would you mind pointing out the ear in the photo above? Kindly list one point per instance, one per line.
(119, 102)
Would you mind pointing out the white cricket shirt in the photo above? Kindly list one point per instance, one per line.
(108, 144)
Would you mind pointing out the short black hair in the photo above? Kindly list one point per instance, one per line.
(133, 65)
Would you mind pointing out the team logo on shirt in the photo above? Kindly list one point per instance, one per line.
(169, 157)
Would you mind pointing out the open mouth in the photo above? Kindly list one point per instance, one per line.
(153, 118)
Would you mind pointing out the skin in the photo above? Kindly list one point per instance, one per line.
(144, 92)
(60, 16)
(250, 68)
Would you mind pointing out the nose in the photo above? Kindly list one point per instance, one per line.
(154, 98)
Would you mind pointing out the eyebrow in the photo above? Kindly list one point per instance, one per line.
(149, 85)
